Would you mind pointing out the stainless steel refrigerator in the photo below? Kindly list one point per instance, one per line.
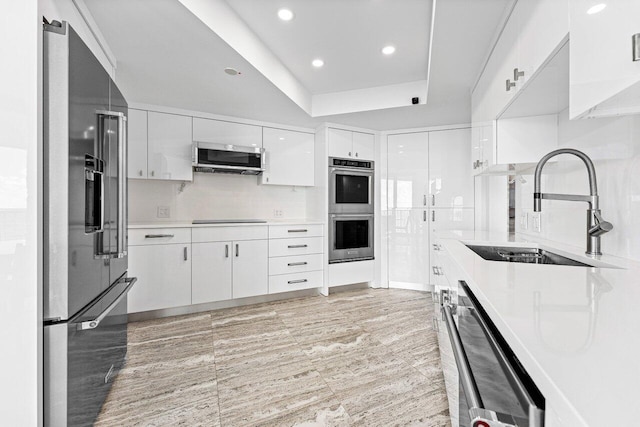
(85, 229)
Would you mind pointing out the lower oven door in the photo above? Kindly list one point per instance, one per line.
(350, 238)
(494, 391)
(82, 356)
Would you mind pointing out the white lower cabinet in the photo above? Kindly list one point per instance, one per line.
(164, 276)
(462, 219)
(250, 268)
(212, 269)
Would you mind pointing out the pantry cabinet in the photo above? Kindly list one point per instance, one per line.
(604, 72)
(347, 144)
(450, 178)
(408, 253)
(407, 165)
(289, 157)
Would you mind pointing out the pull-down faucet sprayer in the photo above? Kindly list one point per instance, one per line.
(596, 226)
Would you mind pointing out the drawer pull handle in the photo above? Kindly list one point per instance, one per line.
(301, 230)
(293, 264)
(158, 236)
(291, 282)
(297, 246)
(226, 251)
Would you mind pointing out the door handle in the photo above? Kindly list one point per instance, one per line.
(237, 250)
(92, 324)
(226, 251)
(433, 216)
(433, 200)
(424, 216)
(186, 254)
(424, 200)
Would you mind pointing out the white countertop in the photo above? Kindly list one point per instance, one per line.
(188, 224)
(575, 329)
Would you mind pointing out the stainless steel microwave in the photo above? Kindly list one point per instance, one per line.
(351, 185)
(226, 158)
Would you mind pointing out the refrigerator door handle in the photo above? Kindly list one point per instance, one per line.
(92, 324)
(121, 231)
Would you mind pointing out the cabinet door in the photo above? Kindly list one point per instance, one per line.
(363, 146)
(409, 248)
(137, 160)
(289, 157)
(450, 178)
(211, 272)
(169, 146)
(407, 169)
(218, 131)
(340, 143)
(164, 277)
(601, 65)
(250, 268)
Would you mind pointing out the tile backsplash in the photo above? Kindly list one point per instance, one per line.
(213, 196)
(614, 146)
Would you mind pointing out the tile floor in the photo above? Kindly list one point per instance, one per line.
(367, 357)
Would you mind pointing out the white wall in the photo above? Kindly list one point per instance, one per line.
(20, 220)
(614, 146)
(214, 196)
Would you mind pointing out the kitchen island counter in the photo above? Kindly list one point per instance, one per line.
(573, 328)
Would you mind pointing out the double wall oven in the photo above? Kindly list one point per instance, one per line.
(351, 210)
(493, 389)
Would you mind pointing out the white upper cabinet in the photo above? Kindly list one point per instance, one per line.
(348, 144)
(407, 165)
(169, 147)
(604, 75)
(363, 145)
(221, 132)
(450, 177)
(289, 157)
(137, 161)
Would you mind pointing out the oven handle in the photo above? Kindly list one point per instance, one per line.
(466, 376)
(92, 324)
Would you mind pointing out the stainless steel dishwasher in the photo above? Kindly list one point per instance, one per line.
(494, 390)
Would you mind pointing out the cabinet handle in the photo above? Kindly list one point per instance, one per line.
(433, 200)
(356, 154)
(435, 324)
(294, 264)
(297, 246)
(635, 42)
(140, 172)
(510, 85)
(237, 250)
(291, 282)
(226, 251)
(435, 271)
(158, 236)
(517, 74)
(424, 200)
(424, 216)
(301, 230)
(153, 173)
(349, 153)
(433, 216)
(436, 247)
(186, 254)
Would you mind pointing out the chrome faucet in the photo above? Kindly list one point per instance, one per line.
(596, 226)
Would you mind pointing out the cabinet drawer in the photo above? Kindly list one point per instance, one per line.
(293, 231)
(295, 282)
(159, 236)
(226, 234)
(295, 264)
(299, 246)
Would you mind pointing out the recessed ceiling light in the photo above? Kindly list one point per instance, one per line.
(317, 62)
(285, 14)
(596, 8)
(231, 71)
(388, 50)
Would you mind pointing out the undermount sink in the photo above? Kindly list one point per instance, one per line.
(524, 255)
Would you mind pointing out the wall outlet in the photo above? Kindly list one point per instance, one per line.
(277, 213)
(524, 220)
(164, 212)
(536, 219)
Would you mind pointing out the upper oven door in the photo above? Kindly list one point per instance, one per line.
(350, 191)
